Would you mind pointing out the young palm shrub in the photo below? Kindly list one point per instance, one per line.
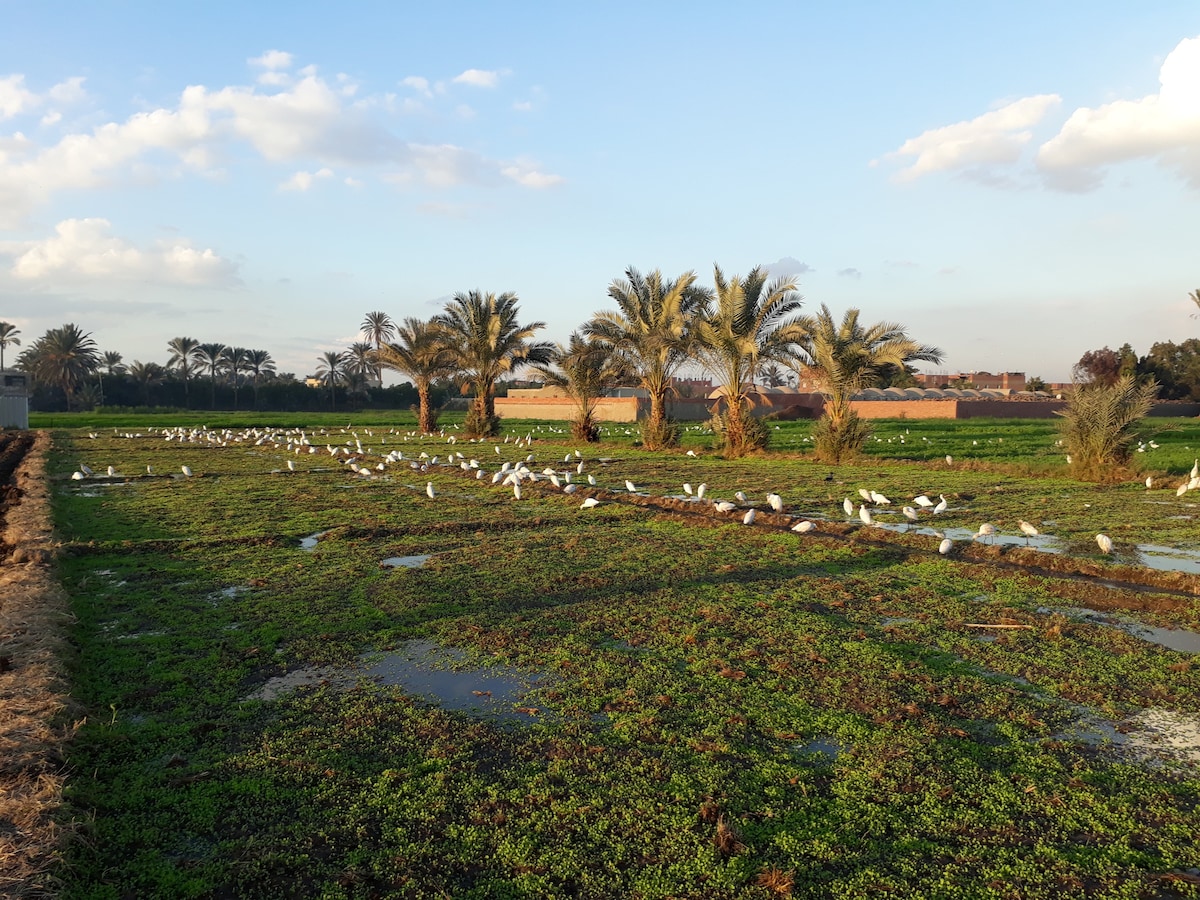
(420, 353)
(845, 359)
(652, 330)
(1100, 427)
(750, 322)
(583, 369)
(486, 341)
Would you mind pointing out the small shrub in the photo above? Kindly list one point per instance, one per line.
(1100, 427)
(656, 436)
(837, 441)
(479, 425)
(585, 430)
(737, 437)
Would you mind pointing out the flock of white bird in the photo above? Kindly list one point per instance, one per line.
(358, 458)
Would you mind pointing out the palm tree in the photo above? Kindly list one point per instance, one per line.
(8, 335)
(258, 363)
(331, 369)
(485, 342)
(360, 362)
(63, 357)
(147, 375)
(233, 360)
(420, 353)
(1194, 296)
(211, 356)
(111, 361)
(184, 352)
(652, 330)
(379, 328)
(845, 359)
(752, 321)
(583, 369)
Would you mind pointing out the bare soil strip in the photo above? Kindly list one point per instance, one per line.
(35, 713)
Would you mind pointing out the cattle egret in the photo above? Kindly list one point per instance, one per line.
(429, 491)
(592, 480)
(112, 472)
(570, 488)
(910, 513)
(630, 487)
(724, 506)
(943, 505)
(848, 506)
(987, 529)
(880, 500)
(77, 476)
(691, 453)
(1149, 482)
(579, 469)
(741, 496)
(578, 455)
(945, 546)
(479, 473)
(1196, 469)
(554, 481)
(865, 515)
(949, 460)
(775, 502)
(1027, 529)
(187, 471)
(1181, 490)
(149, 470)
(803, 527)
(923, 501)
(517, 490)
(84, 469)
(700, 491)
(748, 518)
(589, 503)
(292, 465)
(865, 494)
(1104, 542)
(687, 488)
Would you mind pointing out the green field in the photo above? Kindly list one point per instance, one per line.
(681, 706)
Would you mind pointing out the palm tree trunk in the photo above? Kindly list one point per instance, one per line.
(425, 422)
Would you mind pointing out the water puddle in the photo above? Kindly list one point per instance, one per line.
(405, 562)
(825, 749)
(1168, 559)
(1043, 542)
(1179, 639)
(1151, 736)
(426, 669)
(310, 542)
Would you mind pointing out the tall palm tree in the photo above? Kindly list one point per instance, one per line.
(652, 330)
(63, 357)
(844, 359)
(750, 322)
(211, 356)
(1194, 296)
(486, 341)
(233, 360)
(419, 352)
(360, 362)
(331, 369)
(583, 369)
(183, 357)
(147, 375)
(379, 328)
(258, 364)
(110, 360)
(8, 335)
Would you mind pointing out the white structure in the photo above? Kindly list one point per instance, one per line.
(14, 399)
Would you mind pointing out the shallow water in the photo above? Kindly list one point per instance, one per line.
(1178, 639)
(1168, 559)
(310, 542)
(405, 562)
(826, 748)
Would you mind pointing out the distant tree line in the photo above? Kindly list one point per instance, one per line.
(1175, 367)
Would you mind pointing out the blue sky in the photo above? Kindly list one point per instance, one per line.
(1016, 182)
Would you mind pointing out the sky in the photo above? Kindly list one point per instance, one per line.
(1015, 182)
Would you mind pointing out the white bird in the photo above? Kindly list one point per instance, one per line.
(865, 515)
(187, 471)
(1149, 482)
(578, 455)
(942, 506)
(630, 487)
(579, 469)
(848, 506)
(949, 460)
(570, 488)
(592, 480)
(687, 488)
(700, 491)
(1196, 469)
(77, 476)
(775, 502)
(910, 513)
(1181, 490)
(1027, 529)
(945, 546)
(1104, 542)
(589, 503)
(691, 453)
(554, 481)
(429, 491)
(740, 495)
(803, 527)
(880, 500)
(748, 518)
(865, 494)
(517, 490)
(292, 465)
(112, 472)
(724, 506)
(923, 501)
(987, 529)
(84, 469)
(149, 470)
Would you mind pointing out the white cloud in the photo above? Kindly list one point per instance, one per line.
(302, 181)
(996, 137)
(849, 273)
(418, 84)
(272, 59)
(86, 250)
(1163, 126)
(15, 98)
(531, 178)
(788, 267)
(69, 91)
(478, 78)
(522, 106)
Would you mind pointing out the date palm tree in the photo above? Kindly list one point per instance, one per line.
(8, 336)
(331, 369)
(63, 357)
(844, 359)
(583, 369)
(486, 341)
(147, 375)
(110, 361)
(652, 330)
(184, 357)
(361, 364)
(258, 364)
(1194, 296)
(750, 322)
(211, 356)
(379, 329)
(233, 361)
(419, 352)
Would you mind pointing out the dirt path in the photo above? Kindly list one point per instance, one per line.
(35, 718)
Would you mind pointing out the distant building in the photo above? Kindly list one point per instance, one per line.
(983, 381)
